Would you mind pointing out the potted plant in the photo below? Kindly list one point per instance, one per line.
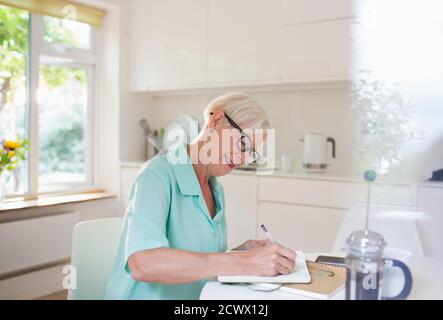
(384, 122)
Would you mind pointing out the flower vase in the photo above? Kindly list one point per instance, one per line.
(4, 178)
(2, 189)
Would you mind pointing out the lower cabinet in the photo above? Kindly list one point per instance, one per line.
(312, 192)
(306, 228)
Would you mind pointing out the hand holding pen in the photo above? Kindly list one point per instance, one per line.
(270, 259)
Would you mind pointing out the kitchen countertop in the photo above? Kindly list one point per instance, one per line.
(326, 176)
(277, 173)
(338, 176)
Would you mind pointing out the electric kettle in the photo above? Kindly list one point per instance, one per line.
(315, 151)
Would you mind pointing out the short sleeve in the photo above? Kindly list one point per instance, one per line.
(147, 214)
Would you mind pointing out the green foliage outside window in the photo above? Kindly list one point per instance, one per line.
(62, 146)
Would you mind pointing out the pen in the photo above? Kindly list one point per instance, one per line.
(268, 234)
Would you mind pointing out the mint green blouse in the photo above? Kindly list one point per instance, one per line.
(166, 209)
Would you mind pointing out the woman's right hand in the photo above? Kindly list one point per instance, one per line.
(269, 260)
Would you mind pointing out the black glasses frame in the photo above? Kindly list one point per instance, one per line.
(253, 155)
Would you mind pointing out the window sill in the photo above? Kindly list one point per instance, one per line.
(54, 199)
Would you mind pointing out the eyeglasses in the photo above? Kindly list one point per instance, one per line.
(244, 143)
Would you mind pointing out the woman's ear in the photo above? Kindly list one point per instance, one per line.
(216, 119)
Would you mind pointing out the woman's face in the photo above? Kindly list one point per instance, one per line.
(225, 146)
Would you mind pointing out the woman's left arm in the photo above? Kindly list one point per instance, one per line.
(167, 265)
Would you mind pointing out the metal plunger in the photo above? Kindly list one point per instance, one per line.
(370, 177)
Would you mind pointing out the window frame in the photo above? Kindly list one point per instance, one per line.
(74, 53)
(70, 57)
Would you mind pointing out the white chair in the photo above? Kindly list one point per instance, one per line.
(397, 224)
(94, 247)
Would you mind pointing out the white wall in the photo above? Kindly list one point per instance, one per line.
(107, 103)
(133, 106)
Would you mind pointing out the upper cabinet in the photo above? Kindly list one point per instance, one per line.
(242, 43)
(168, 44)
(316, 40)
(316, 51)
(181, 44)
(304, 11)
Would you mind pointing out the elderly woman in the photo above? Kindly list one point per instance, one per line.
(174, 234)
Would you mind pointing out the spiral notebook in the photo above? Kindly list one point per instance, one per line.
(299, 275)
(326, 281)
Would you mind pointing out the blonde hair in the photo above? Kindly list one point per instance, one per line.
(244, 110)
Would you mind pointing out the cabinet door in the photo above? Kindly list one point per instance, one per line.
(168, 44)
(241, 207)
(299, 11)
(242, 41)
(316, 51)
(332, 194)
(306, 228)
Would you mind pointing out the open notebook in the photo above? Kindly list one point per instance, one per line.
(326, 281)
(299, 275)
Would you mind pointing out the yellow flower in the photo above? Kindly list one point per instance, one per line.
(11, 144)
(11, 154)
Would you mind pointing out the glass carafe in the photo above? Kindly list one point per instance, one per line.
(364, 265)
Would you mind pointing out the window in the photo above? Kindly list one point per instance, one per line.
(47, 69)
(67, 33)
(62, 98)
(14, 49)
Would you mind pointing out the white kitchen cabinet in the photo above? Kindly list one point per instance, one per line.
(306, 228)
(243, 42)
(312, 192)
(168, 44)
(241, 207)
(316, 52)
(189, 44)
(302, 11)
